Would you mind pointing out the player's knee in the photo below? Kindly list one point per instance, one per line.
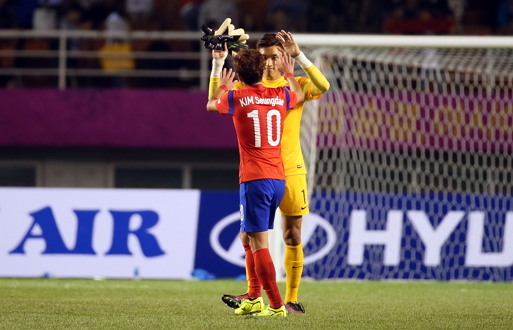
(292, 236)
(244, 238)
(292, 230)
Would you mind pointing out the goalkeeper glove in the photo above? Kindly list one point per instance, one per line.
(215, 40)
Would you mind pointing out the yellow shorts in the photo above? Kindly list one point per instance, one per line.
(295, 199)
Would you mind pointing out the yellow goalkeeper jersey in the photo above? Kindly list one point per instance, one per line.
(290, 143)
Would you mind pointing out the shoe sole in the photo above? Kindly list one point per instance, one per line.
(280, 314)
(231, 302)
(250, 313)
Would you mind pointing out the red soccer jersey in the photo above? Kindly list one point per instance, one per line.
(258, 113)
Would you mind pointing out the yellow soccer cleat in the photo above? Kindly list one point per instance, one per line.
(248, 306)
(268, 311)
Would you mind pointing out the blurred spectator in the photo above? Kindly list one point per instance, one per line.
(116, 21)
(95, 13)
(139, 12)
(288, 15)
(335, 16)
(252, 14)
(419, 17)
(332, 17)
(117, 49)
(7, 22)
(45, 15)
(504, 17)
(363, 16)
(189, 13)
(6, 14)
(438, 8)
(457, 7)
(72, 16)
(24, 12)
(393, 8)
(165, 65)
(214, 12)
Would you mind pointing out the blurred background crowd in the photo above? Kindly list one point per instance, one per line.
(17, 53)
(328, 16)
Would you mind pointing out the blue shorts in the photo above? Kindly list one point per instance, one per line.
(259, 200)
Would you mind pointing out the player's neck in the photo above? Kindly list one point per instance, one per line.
(272, 75)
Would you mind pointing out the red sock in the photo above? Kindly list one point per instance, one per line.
(267, 274)
(255, 288)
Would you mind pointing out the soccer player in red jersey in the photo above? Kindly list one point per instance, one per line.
(258, 114)
(294, 204)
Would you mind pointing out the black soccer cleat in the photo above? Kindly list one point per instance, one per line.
(233, 301)
(295, 308)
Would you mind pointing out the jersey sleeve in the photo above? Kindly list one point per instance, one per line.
(225, 103)
(315, 85)
(290, 97)
(212, 85)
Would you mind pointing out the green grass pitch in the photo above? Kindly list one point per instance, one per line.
(81, 303)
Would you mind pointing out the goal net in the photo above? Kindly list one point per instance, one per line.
(410, 159)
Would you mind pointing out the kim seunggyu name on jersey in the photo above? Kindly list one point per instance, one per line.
(248, 100)
(44, 227)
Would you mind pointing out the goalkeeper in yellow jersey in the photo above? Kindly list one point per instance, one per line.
(295, 200)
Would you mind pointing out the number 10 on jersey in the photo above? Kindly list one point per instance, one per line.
(272, 125)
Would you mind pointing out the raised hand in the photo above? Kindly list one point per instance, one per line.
(289, 44)
(286, 64)
(227, 78)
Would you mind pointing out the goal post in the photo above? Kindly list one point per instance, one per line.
(410, 158)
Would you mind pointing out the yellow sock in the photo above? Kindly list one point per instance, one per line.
(293, 270)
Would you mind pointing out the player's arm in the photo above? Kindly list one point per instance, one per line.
(319, 82)
(218, 59)
(227, 81)
(287, 67)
